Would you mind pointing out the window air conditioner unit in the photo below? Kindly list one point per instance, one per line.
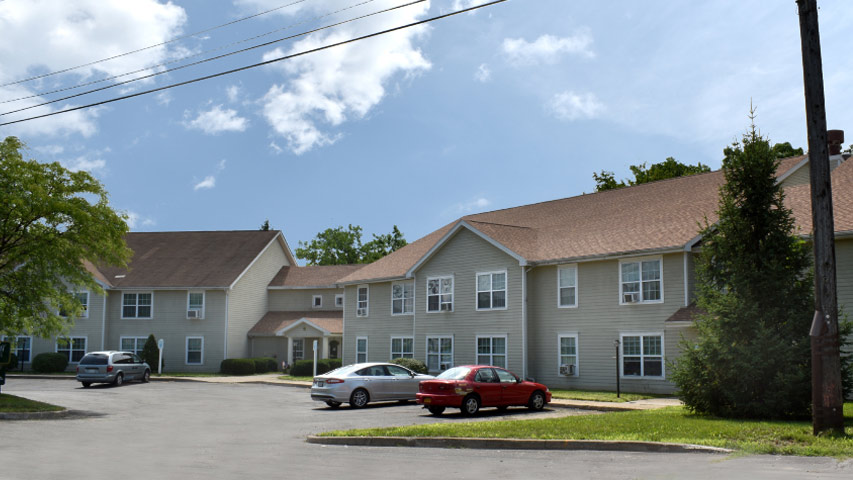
(193, 314)
(443, 366)
(630, 297)
(568, 370)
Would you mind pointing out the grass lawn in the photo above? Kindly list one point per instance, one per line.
(11, 403)
(602, 396)
(673, 425)
(291, 377)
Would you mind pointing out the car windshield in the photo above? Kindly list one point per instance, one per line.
(94, 359)
(455, 373)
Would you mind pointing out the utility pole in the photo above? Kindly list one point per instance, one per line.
(827, 411)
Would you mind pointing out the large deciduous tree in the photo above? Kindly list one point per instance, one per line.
(669, 168)
(52, 222)
(339, 246)
(751, 357)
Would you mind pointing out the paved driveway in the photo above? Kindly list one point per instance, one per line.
(194, 430)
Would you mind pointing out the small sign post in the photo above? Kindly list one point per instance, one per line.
(160, 358)
(5, 358)
(315, 358)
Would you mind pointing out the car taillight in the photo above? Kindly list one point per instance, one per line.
(461, 388)
(109, 368)
(331, 381)
(78, 368)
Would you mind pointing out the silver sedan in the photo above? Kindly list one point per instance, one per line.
(361, 383)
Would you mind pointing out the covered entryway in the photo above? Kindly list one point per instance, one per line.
(289, 336)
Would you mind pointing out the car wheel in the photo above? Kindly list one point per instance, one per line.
(436, 410)
(87, 384)
(537, 401)
(333, 404)
(146, 376)
(470, 405)
(118, 380)
(359, 398)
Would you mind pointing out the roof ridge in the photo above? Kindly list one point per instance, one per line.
(499, 224)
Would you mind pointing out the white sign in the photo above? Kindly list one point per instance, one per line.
(160, 344)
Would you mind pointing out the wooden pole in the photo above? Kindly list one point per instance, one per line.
(827, 403)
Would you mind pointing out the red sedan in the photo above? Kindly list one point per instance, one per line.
(474, 386)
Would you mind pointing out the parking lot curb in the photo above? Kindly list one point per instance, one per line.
(517, 444)
(62, 414)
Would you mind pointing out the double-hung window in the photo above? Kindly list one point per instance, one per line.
(491, 291)
(491, 351)
(567, 286)
(72, 347)
(641, 281)
(316, 301)
(642, 355)
(83, 299)
(195, 305)
(402, 298)
(402, 347)
(136, 305)
(360, 349)
(132, 344)
(195, 350)
(361, 306)
(440, 294)
(568, 354)
(23, 347)
(339, 300)
(439, 353)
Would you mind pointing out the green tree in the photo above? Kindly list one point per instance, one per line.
(265, 226)
(339, 246)
(785, 150)
(751, 357)
(52, 223)
(150, 352)
(669, 168)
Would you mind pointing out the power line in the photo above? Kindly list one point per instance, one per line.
(267, 62)
(64, 70)
(150, 67)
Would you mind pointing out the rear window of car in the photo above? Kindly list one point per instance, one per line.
(455, 373)
(94, 359)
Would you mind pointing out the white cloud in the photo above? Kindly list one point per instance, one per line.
(136, 220)
(50, 149)
(477, 204)
(275, 148)
(569, 105)
(70, 34)
(460, 4)
(208, 183)
(233, 92)
(164, 98)
(85, 163)
(217, 120)
(483, 74)
(547, 48)
(323, 90)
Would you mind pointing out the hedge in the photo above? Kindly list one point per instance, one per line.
(237, 366)
(50, 362)
(265, 364)
(305, 368)
(412, 364)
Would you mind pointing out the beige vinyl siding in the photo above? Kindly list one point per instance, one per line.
(378, 326)
(844, 274)
(90, 327)
(798, 177)
(300, 300)
(598, 320)
(463, 256)
(169, 321)
(248, 300)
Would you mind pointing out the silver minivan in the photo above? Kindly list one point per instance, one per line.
(111, 367)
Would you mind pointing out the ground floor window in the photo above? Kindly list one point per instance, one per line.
(642, 355)
(360, 349)
(298, 349)
(132, 344)
(195, 350)
(491, 351)
(402, 347)
(23, 348)
(439, 353)
(568, 355)
(72, 347)
(333, 349)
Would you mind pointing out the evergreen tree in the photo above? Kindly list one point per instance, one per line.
(150, 352)
(752, 354)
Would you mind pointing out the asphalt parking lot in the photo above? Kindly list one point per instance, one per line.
(201, 430)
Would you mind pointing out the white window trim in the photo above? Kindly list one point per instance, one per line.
(358, 312)
(452, 294)
(491, 290)
(452, 350)
(366, 349)
(187, 350)
(314, 301)
(85, 313)
(412, 284)
(135, 337)
(5, 338)
(491, 346)
(622, 336)
(200, 311)
(293, 348)
(121, 305)
(640, 260)
(339, 300)
(560, 337)
(70, 345)
(401, 338)
(577, 288)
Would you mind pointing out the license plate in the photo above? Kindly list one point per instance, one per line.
(320, 383)
(427, 400)
(92, 370)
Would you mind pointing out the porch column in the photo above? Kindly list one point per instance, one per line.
(325, 350)
(289, 342)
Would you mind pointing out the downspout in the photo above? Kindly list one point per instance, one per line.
(343, 327)
(686, 296)
(524, 271)
(414, 313)
(104, 322)
(225, 350)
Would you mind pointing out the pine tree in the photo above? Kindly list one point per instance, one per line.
(150, 352)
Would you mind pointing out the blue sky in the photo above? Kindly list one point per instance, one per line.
(514, 104)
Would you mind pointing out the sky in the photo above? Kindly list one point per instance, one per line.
(511, 104)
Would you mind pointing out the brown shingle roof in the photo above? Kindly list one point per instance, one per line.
(188, 259)
(685, 314)
(654, 216)
(272, 322)
(312, 275)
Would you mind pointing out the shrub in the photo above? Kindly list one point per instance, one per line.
(412, 364)
(305, 368)
(264, 365)
(150, 352)
(237, 366)
(50, 362)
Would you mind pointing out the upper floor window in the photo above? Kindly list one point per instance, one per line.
(136, 305)
(567, 286)
(440, 294)
(361, 305)
(195, 305)
(642, 281)
(339, 300)
(317, 301)
(491, 291)
(83, 299)
(402, 298)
